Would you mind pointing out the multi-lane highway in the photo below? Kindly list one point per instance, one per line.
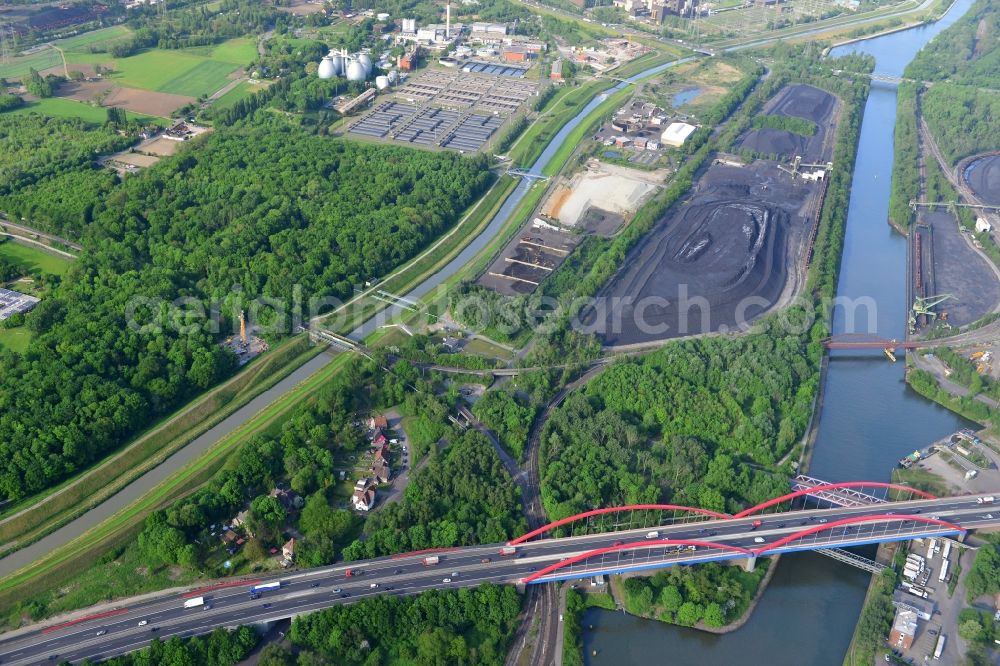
(128, 626)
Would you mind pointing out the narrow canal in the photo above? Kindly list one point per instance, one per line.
(869, 419)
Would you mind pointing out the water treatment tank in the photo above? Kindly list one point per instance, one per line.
(356, 72)
(381, 82)
(339, 65)
(327, 69)
(366, 62)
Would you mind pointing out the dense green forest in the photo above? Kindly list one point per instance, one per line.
(963, 63)
(509, 416)
(264, 209)
(465, 497)
(220, 648)
(711, 593)
(674, 426)
(36, 148)
(963, 120)
(458, 627)
(966, 53)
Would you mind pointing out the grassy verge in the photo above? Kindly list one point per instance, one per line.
(921, 479)
(557, 112)
(37, 516)
(436, 257)
(87, 549)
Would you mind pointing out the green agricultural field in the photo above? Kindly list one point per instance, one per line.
(239, 51)
(77, 43)
(241, 91)
(29, 258)
(61, 107)
(19, 67)
(191, 72)
(203, 79)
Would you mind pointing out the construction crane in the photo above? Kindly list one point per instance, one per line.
(922, 306)
(797, 165)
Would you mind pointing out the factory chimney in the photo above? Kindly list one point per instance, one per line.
(447, 20)
(243, 327)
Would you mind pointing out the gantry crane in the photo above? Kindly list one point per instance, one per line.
(922, 306)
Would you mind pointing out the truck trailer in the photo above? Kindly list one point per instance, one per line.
(432, 560)
(195, 602)
(508, 550)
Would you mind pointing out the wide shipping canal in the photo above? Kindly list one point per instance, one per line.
(869, 419)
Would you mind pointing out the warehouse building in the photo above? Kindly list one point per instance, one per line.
(12, 303)
(676, 134)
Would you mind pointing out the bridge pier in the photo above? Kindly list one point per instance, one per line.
(750, 563)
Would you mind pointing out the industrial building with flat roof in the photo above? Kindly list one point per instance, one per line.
(676, 134)
(12, 303)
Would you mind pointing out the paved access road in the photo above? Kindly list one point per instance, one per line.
(310, 590)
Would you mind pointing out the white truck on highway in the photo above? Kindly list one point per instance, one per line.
(431, 560)
(988, 499)
(508, 550)
(195, 602)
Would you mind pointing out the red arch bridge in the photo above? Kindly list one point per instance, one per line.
(814, 516)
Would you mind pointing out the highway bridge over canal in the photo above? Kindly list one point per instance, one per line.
(814, 516)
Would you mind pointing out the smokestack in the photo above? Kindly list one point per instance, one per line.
(243, 327)
(447, 20)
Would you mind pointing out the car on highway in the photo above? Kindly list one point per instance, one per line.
(344, 595)
(388, 588)
(446, 580)
(102, 632)
(758, 539)
(485, 560)
(935, 517)
(822, 520)
(314, 585)
(373, 586)
(154, 628)
(143, 623)
(397, 571)
(337, 591)
(265, 605)
(618, 543)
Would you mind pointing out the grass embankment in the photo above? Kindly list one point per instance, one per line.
(432, 259)
(30, 259)
(558, 111)
(921, 479)
(34, 517)
(86, 550)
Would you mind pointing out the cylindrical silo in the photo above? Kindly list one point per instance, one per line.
(381, 82)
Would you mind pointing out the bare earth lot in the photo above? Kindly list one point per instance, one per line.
(800, 101)
(131, 99)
